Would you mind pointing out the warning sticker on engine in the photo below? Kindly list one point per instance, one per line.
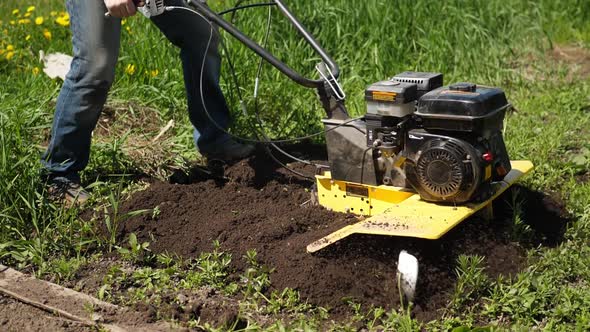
(384, 96)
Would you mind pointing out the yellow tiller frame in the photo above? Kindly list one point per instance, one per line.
(397, 211)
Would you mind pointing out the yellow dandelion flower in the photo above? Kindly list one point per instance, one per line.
(128, 29)
(36, 71)
(130, 69)
(28, 37)
(9, 55)
(154, 73)
(10, 47)
(53, 13)
(47, 34)
(12, 22)
(24, 21)
(64, 21)
(27, 14)
(15, 12)
(30, 9)
(39, 20)
(123, 21)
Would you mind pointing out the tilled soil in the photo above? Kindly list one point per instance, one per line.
(265, 208)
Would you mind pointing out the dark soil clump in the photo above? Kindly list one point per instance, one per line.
(263, 207)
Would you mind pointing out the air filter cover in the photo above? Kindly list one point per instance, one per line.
(389, 98)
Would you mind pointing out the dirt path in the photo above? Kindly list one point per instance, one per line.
(30, 304)
(18, 317)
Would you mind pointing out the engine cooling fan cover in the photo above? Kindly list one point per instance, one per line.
(445, 169)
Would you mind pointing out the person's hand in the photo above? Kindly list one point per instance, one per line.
(123, 8)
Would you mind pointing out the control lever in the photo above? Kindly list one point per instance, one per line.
(149, 9)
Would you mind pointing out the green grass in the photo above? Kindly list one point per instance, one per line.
(502, 43)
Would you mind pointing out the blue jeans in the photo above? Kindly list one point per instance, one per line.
(96, 40)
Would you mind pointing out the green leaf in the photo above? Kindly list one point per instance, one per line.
(102, 291)
(133, 240)
(461, 329)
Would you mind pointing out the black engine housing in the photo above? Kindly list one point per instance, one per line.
(444, 169)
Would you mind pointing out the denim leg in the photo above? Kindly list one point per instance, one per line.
(95, 41)
(191, 33)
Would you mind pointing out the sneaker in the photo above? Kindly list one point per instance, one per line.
(67, 191)
(231, 151)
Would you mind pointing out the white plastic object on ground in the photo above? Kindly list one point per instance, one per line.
(407, 270)
(55, 64)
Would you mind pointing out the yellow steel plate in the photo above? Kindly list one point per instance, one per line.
(413, 217)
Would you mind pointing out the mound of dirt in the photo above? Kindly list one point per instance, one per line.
(265, 208)
(577, 58)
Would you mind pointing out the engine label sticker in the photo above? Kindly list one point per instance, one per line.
(384, 96)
